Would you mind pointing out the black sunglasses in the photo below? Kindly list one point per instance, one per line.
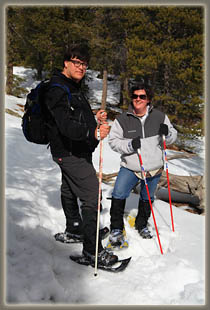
(144, 97)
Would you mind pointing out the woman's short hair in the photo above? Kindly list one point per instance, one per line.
(144, 86)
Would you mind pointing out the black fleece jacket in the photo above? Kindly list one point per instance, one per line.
(71, 122)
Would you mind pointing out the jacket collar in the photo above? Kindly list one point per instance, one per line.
(69, 81)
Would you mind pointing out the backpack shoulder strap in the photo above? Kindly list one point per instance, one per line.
(62, 86)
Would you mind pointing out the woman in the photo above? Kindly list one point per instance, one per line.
(141, 127)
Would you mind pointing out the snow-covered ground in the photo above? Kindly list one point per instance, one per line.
(38, 269)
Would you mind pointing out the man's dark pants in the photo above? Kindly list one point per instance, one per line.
(79, 179)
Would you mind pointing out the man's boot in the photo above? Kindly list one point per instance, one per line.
(105, 257)
(142, 217)
(73, 231)
(117, 235)
(73, 218)
(89, 216)
(117, 213)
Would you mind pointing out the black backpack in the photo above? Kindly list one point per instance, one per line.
(34, 124)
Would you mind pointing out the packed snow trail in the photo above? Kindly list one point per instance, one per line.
(39, 269)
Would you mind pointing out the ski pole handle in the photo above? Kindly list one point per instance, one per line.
(164, 146)
(100, 118)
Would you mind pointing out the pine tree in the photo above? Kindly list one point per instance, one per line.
(101, 45)
(14, 48)
(161, 45)
(168, 54)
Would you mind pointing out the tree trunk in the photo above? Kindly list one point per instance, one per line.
(126, 91)
(39, 66)
(9, 82)
(166, 80)
(9, 62)
(104, 92)
(121, 94)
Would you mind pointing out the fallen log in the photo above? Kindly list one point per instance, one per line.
(107, 178)
(192, 186)
(184, 184)
(184, 189)
(180, 199)
(182, 155)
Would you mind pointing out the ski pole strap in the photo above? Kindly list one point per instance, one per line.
(98, 134)
(165, 155)
(142, 168)
(164, 145)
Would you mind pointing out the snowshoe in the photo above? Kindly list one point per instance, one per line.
(105, 258)
(106, 261)
(145, 233)
(117, 240)
(67, 237)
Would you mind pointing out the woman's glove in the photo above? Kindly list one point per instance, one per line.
(163, 129)
(136, 143)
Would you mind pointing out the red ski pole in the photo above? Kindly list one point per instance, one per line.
(169, 192)
(145, 181)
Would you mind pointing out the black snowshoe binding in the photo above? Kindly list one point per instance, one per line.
(67, 237)
(105, 258)
(106, 261)
(117, 240)
(145, 233)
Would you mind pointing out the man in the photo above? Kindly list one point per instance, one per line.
(141, 127)
(74, 134)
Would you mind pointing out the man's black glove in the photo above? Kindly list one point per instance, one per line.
(163, 129)
(136, 143)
